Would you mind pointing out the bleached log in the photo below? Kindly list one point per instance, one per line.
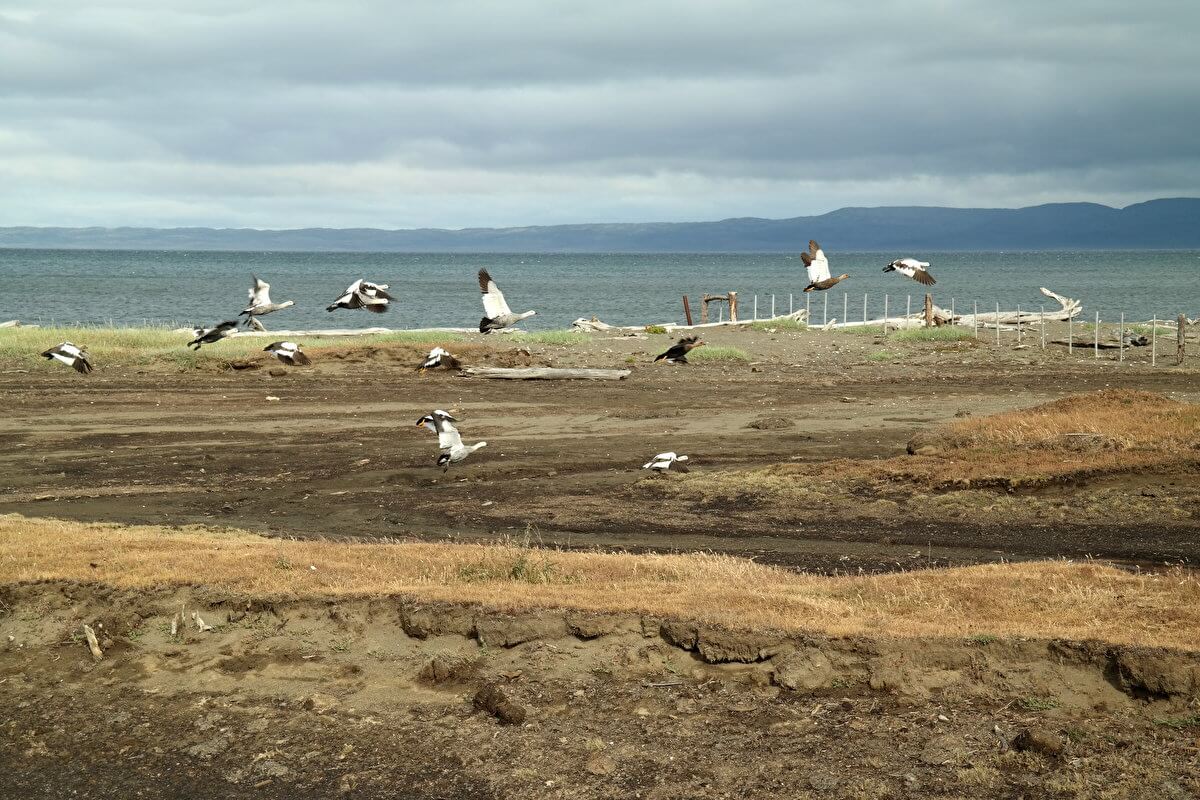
(595, 324)
(1068, 308)
(200, 623)
(175, 624)
(545, 374)
(93, 643)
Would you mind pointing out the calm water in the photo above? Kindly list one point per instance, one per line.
(173, 287)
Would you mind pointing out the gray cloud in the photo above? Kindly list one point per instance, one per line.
(281, 114)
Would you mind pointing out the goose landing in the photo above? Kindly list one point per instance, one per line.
(213, 334)
(449, 440)
(496, 313)
(677, 353)
(817, 265)
(289, 353)
(663, 461)
(363, 294)
(260, 303)
(439, 358)
(71, 355)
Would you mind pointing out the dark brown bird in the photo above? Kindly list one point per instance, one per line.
(677, 353)
(818, 269)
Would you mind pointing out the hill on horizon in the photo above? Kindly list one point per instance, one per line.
(1168, 223)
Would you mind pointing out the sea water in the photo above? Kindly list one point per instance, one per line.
(183, 288)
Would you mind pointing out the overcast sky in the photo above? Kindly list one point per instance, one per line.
(284, 113)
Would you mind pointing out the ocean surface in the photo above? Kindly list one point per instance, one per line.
(179, 288)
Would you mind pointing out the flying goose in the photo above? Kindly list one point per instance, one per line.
(496, 313)
(677, 353)
(214, 334)
(917, 270)
(449, 440)
(818, 269)
(260, 302)
(439, 357)
(289, 353)
(363, 294)
(71, 355)
(663, 461)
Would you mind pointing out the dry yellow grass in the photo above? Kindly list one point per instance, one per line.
(1124, 419)
(1040, 600)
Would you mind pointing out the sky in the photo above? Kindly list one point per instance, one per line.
(286, 113)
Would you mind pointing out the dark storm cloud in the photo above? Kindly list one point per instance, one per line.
(445, 113)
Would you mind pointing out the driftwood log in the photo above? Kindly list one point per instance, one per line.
(93, 643)
(1067, 309)
(595, 324)
(545, 374)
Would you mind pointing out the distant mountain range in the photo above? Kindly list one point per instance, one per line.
(1156, 224)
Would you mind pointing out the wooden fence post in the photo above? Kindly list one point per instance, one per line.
(703, 311)
(928, 310)
(1181, 340)
(733, 307)
(1154, 341)
(687, 311)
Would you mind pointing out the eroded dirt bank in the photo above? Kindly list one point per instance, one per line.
(384, 698)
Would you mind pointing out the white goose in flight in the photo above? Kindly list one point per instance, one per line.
(363, 294)
(260, 303)
(289, 353)
(449, 440)
(72, 355)
(213, 334)
(910, 267)
(496, 313)
(817, 265)
(664, 461)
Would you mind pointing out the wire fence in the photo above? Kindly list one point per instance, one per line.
(1023, 327)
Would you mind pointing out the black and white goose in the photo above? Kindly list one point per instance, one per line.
(72, 355)
(439, 358)
(363, 294)
(910, 267)
(817, 265)
(677, 353)
(289, 353)
(496, 313)
(449, 440)
(260, 303)
(664, 461)
(214, 334)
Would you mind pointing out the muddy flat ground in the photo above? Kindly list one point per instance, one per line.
(333, 451)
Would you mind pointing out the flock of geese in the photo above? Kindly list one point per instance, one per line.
(497, 315)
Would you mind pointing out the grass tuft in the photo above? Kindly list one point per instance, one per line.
(945, 333)
(708, 353)
(859, 330)
(882, 355)
(779, 325)
(566, 338)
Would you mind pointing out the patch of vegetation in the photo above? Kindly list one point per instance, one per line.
(882, 355)
(1183, 722)
(1038, 703)
(406, 337)
(859, 330)
(945, 333)
(1144, 330)
(982, 639)
(567, 338)
(707, 353)
(779, 325)
(655, 329)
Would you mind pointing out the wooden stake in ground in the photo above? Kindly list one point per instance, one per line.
(1096, 344)
(733, 317)
(864, 309)
(1043, 327)
(1121, 340)
(687, 310)
(93, 642)
(975, 317)
(1180, 341)
(928, 310)
(997, 323)
(1154, 341)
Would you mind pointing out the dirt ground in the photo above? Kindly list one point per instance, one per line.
(381, 698)
(333, 450)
